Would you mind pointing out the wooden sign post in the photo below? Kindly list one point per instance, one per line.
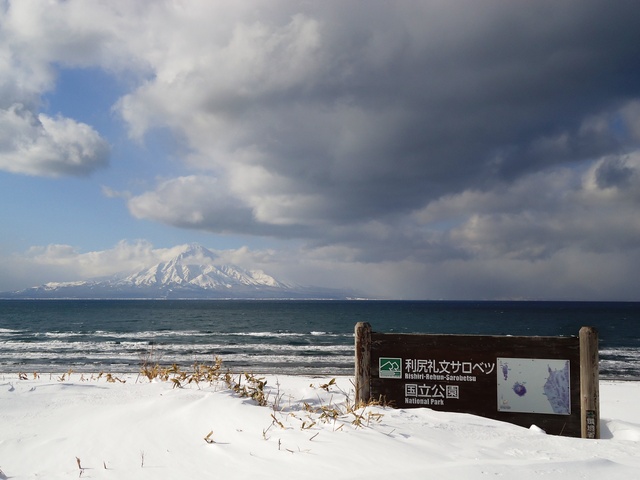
(363, 362)
(551, 382)
(589, 383)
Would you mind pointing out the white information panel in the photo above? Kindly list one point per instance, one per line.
(533, 385)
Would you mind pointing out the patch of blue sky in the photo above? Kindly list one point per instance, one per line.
(87, 95)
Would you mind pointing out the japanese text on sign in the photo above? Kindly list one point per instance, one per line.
(448, 370)
(430, 394)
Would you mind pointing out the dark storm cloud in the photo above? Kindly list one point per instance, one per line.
(613, 173)
(414, 101)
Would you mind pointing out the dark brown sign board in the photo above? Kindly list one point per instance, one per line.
(550, 382)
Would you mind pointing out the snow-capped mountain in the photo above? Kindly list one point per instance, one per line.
(195, 268)
(193, 273)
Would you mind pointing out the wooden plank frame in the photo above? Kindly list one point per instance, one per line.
(550, 382)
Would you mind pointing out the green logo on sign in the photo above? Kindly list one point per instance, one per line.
(390, 367)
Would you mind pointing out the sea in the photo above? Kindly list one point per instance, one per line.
(296, 337)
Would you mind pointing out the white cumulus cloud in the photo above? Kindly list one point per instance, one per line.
(48, 146)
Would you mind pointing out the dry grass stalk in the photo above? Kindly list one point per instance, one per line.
(111, 379)
(208, 438)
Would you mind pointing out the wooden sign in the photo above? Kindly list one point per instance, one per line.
(550, 382)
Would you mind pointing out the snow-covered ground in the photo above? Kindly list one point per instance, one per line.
(81, 426)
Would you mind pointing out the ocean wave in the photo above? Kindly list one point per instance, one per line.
(188, 333)
(83, 347)
(630, 352)
(134, 361)
(8, 331)
(93, 357)
(278, 334)
(269, 352)
(115, 367)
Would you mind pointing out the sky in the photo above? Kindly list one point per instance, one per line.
(410, 149)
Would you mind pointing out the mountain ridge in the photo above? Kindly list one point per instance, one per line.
(192, 274)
